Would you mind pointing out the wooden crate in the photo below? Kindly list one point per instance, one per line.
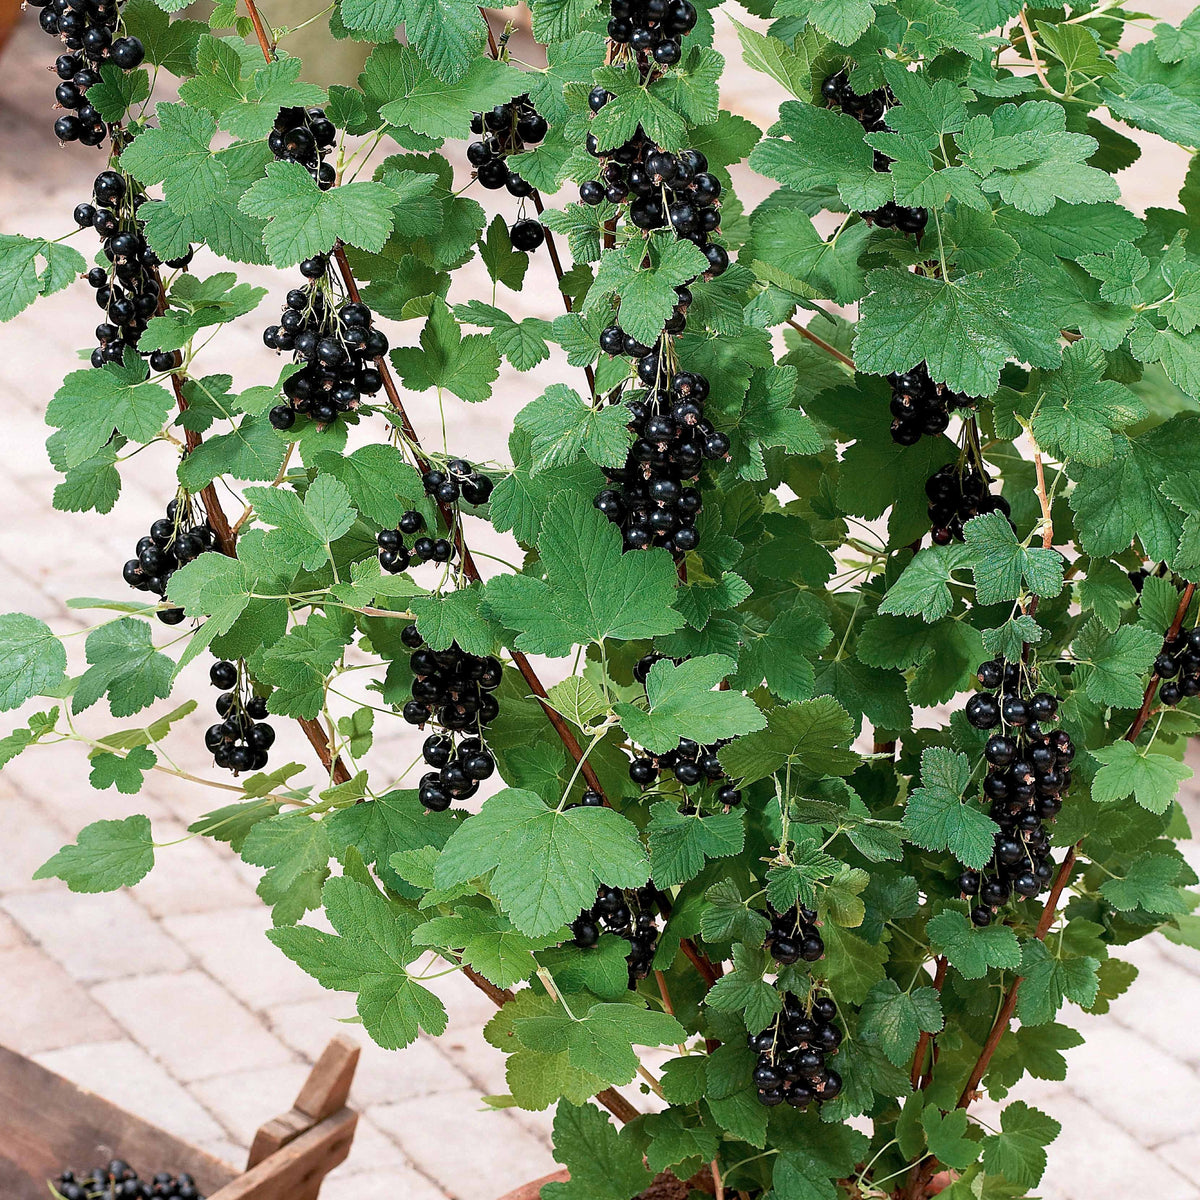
(48, 1123)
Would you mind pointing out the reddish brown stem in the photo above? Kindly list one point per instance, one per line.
(939, 980)
(845, 360)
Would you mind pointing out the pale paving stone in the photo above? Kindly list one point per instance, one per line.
(1153, 1097)
(193, 875)
(1097, 1160)
(434, 1132)
(40, 836)
(125, 1074)
(231, 944)
(43, 1007)
(1183, 1154)
(10, 934)
(91, 935)
(398, 1182)
(242, 1101)
(192, 1025)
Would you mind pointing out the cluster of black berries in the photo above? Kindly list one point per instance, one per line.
(242, 739)
(508, 129)
(395, 556)
(921, 406)
(453, 689)
(691, 764)
(460, 480)
(1028, 772)
(793, 936)
(337, 346)
(88, 29)
(127, 290)
(868, 111)
(793, 1052)
(174, 540)
(305, 135)
(956, 493)
(1178, 666)
(652, 29)
(668, 190)
(117, 1180)
(652, 498)
(631, 915)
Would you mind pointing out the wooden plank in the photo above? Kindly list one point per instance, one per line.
(296, 1171)
(325, 1092)
(48, 1123)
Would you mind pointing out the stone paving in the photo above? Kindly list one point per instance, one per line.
(168, 1000)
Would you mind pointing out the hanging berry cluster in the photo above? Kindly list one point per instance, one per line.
(305, 135)
(89, 30)
(793, 936)
(241, 741)
(128, 289)
(117, 1180)
(453, 690)
(631, 915)
(957, 492)
(868, 111)
(395, 556)
(460, 480)
(1178, 666)
(1028, 772)
(508, 129)
(651, 29)
(793, 1053)
(920, 406)
(337, 344)
(174, 540)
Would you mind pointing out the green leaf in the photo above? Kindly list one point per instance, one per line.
(894, 1019)
(680, 843)
(1118, 662)
(303, 221)
(107, 855)
(1001, 563)
(23, 277)
(563, 427)
(126, 667)
(1018, 1151)
(923, 587)
(591, 592)
(523, 342)
(1149, 884)
(125, 773)
(600, 1041)
(177, 154)
(299, 662)
(843, 21)
(972, 951)
(424, 103)
(1121, 500)
(744, 991)
(684, 704)
(944, 1133)
(1152, 779)
(791, 66)
(466, 366)
(304, 529)
(370, 957)
(813, 736)
(1046, 981)
(965, 329)
(727, 917)
(32, 660)
(91, 403)
(545, 864)
(295, 850)
(938, 815)
(454, 618)
(1079, 411)
(605, 1164)
(644, 275)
